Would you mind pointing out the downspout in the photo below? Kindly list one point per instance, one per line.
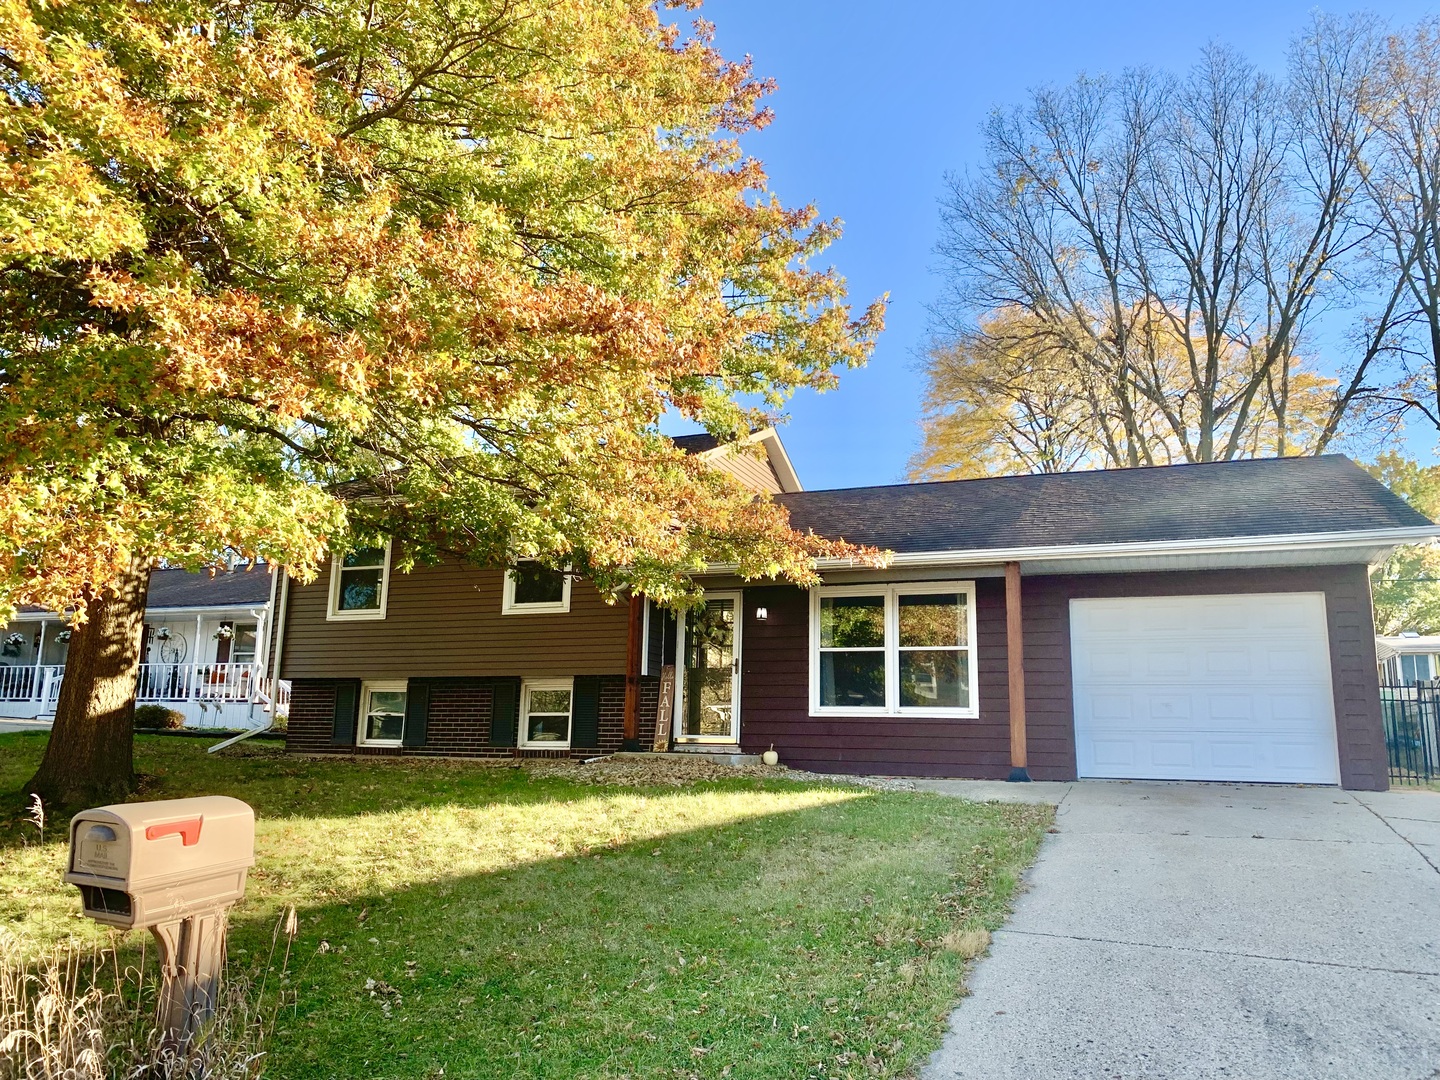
(279, 618)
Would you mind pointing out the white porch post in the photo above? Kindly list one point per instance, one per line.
(194, 691)
(36, 693)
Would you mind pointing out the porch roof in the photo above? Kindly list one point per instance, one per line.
(197, 589)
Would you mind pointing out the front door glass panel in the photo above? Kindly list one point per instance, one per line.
(710, 672)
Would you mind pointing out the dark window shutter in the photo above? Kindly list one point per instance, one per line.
(585, 712)
(222, 645)
(417, 712)
(347, 708)
(504, 712)
(668, 636)
(655, 638)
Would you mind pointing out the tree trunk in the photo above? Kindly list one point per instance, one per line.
(89, 759)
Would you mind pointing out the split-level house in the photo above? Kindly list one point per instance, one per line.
(202, 654)
(1193, 622)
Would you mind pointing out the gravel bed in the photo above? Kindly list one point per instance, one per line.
(680, 769)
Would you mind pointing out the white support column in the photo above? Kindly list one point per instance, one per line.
(195, 660)
(36, 692)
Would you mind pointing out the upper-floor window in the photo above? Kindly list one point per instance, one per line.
(532, 588)
(893, 649)
(360, 583)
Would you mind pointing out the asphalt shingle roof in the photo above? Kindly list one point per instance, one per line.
(181, 588)
(1263, 497)
(697, 443)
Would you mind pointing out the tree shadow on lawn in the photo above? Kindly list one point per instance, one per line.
(796, 942)
(513, 926)
(280, 785)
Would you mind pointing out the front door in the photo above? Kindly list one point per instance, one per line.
(710, 691)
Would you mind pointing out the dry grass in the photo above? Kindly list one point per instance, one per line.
(967, 943)
(91, 1016)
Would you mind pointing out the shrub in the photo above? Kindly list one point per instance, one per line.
(158, 717)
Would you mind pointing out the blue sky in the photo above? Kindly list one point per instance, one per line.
(877, 101)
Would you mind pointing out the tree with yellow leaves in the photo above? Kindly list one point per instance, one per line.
(458, 255)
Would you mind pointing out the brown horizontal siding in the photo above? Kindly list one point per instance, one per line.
(445, 621)
(775, 692)
(755, 472)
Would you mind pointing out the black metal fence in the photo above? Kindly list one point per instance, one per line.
(1412, 731)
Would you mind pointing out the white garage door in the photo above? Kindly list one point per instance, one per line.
(1204, 688)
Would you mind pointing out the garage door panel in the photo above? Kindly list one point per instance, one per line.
(1199, 688)
(1228, 661)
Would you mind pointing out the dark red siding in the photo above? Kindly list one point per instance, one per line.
(775, 687)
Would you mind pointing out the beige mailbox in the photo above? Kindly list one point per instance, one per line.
(174, 867)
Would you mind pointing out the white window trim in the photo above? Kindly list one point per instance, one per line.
(333, 612)
(891, 593)
(368, 688)
(508, 606)
(526, 686)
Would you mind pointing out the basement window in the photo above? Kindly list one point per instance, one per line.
(545, 709)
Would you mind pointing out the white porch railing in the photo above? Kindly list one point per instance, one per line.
(159, 683)
(31, 682)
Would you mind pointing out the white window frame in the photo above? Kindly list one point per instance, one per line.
(383, 686)
(333, 613)
(526, 686)
(508, 606)
(891, 592)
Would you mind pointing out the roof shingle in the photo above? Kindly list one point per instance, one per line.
(182, 588)
(1258, 497)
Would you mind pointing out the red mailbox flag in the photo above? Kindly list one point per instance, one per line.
(189, 831)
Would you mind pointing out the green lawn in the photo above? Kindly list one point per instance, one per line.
(473, 921)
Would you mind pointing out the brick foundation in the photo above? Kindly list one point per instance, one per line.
(459, 722)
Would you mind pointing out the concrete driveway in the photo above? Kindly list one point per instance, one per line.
(1209, 930)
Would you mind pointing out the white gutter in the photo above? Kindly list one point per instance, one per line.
(1218, 546)
(1366, 538)
(200, 609)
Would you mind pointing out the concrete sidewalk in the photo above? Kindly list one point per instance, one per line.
(1202, 930)
(8, 725)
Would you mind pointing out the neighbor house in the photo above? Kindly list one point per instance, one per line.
(202, 652)
(1194, 622)
(1408, 658)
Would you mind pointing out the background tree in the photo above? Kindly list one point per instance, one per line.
(459, 255)
(1006, 399)
(1170, 243)
(1405, 588)
(1402, 185)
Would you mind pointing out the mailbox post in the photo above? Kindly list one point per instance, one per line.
(175, 868)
